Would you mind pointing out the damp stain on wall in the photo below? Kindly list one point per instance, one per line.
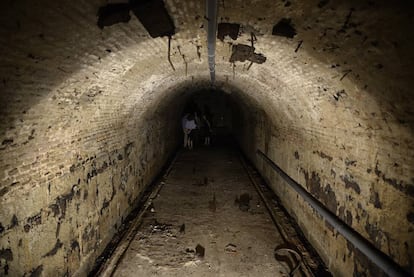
(324, 193)
(351, 183)
(408, 189)
(228, 29)
(242, 52)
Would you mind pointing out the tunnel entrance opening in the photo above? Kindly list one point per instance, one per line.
(224, 111)
(219, 109)
(204, 216)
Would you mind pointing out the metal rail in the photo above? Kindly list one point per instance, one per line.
(108, 267)
(306, 271)
(368, 249)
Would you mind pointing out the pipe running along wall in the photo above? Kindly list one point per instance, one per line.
(377, 257)
(211, 17)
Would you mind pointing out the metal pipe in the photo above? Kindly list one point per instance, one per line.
(376, 256)
(211, 15)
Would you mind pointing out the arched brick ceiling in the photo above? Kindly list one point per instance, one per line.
(343, 83)
(351, 71)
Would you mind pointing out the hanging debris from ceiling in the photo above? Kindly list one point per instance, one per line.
(112, 14)
(242, 52)
(228, 29)
(284, 28)
(154, 17)
(151, 13)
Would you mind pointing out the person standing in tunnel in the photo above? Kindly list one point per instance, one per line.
(205, 129)
(190, 127)
(185, 131)
(197, 132)
(207, 118)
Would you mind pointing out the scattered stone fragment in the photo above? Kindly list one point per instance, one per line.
(182, 228)
(190, 263)
(200, 251)
(231, 248)
(151, 208)
(339, 94)
(160, 227)
(244, 202)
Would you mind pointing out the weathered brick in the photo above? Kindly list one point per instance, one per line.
(89, 93)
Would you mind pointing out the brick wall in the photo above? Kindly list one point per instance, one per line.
(89, 116)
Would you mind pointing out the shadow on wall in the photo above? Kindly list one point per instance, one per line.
(86, 205)
(50, 66)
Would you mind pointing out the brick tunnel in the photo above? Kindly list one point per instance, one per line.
(92, 95)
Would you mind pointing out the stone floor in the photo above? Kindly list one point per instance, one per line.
(207, 220)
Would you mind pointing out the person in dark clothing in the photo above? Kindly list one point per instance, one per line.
(205, 125)
(205, 130)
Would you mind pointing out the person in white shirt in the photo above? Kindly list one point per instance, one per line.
(189, 128)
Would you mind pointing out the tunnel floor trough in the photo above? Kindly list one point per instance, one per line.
(207, 220)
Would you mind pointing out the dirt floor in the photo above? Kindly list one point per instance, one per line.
(207, 220)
